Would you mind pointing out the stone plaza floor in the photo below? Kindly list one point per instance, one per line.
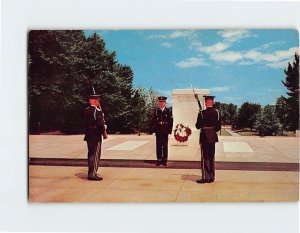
(229, 148)
(69, 184)
(133, 184)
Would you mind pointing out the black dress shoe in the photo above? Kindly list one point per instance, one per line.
(96, 178)
(202, 181)
(158, 163)
(210, 181)
(165, 164)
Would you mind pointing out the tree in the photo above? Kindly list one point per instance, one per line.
(247, 115)
(50, 78)
(151, 102)
(232, 111)
(267, 122)
(227, 112)
(292, 84)
(62, 66)
(282, 109)
(145, 102)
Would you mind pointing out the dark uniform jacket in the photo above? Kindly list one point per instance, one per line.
(162, 121)
(93, 124)
(209, 121)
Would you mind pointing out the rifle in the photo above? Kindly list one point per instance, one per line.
(197, 98)
(105, 135)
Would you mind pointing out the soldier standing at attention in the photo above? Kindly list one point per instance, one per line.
(162, 124)
(95, 127)
(209, 121)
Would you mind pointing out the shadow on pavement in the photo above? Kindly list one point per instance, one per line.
(193, 178)
(81, 175)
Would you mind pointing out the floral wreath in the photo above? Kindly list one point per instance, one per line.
(182, 133)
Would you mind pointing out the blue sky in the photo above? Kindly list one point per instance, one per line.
(236, 65)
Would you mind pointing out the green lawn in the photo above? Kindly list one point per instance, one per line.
(224, 133)
(246, 133)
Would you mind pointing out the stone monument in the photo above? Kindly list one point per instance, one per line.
(185, 106)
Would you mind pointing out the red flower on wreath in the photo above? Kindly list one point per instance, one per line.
(182, 133)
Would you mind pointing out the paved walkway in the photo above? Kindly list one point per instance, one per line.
(69, 184)
(231, 132)
(230, 148)
(133, 184)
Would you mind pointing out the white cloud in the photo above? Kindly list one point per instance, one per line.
(218, 47)
(166, 44)
(173, 35)
(253, 55)
(218, 51)
(178, 34)
(285, 54)
(191, 62)
(234, 35)
(277, 59)
(268, 45)
(277, 65)
(246, 63)
(228, 56)
(220, 89)
(270, 57)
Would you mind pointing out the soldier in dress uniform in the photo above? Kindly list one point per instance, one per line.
(162, 124)
(94, 125)
(209, 121)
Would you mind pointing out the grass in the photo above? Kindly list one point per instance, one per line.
(248, 132)
(224, 133)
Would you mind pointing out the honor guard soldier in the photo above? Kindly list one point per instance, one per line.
(94, 125)
(162, 124)
(209, 121)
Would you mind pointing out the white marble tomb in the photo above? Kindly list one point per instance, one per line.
(185, 106)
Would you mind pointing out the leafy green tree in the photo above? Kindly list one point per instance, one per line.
(151, 103)
(118, 101)
(267, 122)
(145, 101)
(247, 115)
(62, 66)
(139, 110)
(49, 77)
(227, 112)
(292, 84)
(282, 109)
(232, 111)
(150, 96)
